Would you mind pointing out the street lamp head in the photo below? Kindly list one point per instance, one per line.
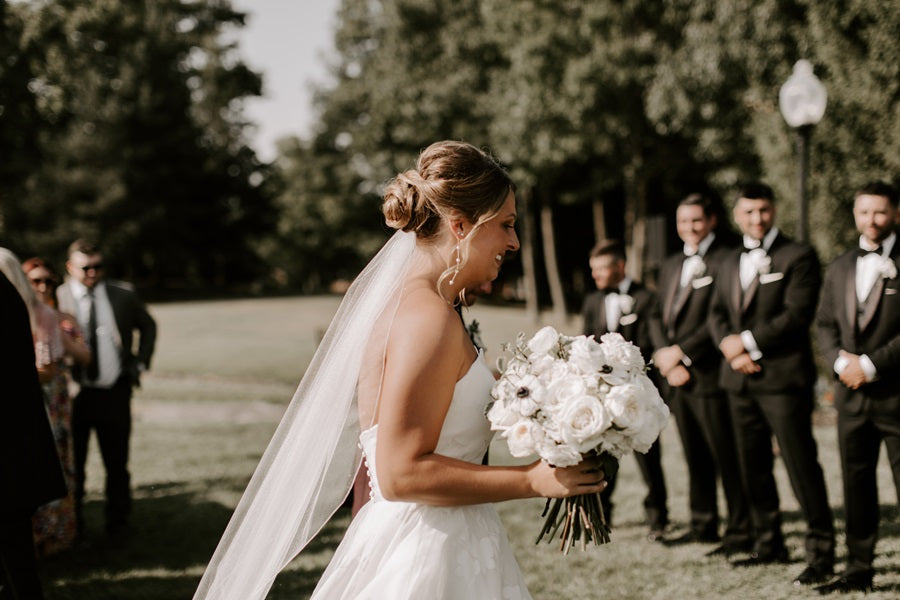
(802, 98)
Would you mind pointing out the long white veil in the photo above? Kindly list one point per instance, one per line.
(309, 466)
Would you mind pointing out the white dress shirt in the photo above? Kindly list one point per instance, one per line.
(613, 303)
(748, 273)
(108, 339)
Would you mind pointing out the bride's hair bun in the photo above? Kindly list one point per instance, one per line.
(450, 177)
(405, 204)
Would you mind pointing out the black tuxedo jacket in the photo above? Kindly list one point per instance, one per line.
(778, 309)
(30, 472)
(130, 314)
(876, 334)
(634, 327)
(683, 316)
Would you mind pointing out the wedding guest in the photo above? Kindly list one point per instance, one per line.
(58, 339)
(109, 313)
(623, 305)
(762, 308)
(858, 324)
(689, 361)
(29, 466)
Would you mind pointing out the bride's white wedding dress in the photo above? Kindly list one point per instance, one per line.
(400, 550)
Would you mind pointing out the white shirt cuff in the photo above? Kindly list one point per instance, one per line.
(868, 368)
(750, 345)
(840, 363)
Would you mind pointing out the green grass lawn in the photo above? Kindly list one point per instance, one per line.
(222, 375)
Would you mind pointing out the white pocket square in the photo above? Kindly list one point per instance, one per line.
(628, 319)
(701, 282)
(765, 278)
(889, 291)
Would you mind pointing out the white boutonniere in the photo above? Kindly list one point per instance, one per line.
(626, 304)
(693, 268)
(762, 262)
(886, 268)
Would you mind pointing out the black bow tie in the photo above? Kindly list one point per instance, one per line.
(863, 252)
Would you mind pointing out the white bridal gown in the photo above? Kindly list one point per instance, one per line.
(397, 550)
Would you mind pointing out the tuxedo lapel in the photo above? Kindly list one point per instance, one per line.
(669, 312)
(749, 294)
(850, 300)
(736, 287)
(604, 326)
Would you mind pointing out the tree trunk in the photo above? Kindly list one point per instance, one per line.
(599, 219)
(550, 262)
(527, 254)
(635, 222)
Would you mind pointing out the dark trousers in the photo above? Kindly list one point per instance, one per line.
(707, 437)
(859, 439)
(789, 417)
(108, 412)
(655, 503)
(18, 568)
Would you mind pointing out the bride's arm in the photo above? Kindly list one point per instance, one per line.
(426, 356)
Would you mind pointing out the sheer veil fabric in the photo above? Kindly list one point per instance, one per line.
(309, 466)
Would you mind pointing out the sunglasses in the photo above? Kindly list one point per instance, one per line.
(95, 267)
(40, 280)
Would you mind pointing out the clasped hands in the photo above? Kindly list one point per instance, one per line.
(732, 348)
(853, 375)
(668, 361)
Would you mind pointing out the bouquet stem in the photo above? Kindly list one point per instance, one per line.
(581, 518)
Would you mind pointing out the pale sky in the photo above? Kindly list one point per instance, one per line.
(286, 40)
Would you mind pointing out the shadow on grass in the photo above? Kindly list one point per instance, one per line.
(171, 537)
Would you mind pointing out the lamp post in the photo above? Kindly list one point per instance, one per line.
(802, 101)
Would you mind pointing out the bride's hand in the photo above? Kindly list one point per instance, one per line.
(560, 482)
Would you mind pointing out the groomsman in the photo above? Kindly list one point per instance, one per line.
(623, 305)
(762, 309)
(689, 361)
(858, 324)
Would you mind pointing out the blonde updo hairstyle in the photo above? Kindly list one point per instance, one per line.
(451, 179)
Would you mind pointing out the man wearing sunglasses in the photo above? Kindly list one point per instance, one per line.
(109, 313)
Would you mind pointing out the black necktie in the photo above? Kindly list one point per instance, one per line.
(93, 369)
(863, 252)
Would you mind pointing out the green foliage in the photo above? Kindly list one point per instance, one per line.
(139, 140)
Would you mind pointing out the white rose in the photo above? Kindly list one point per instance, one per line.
(501, 417)
(523, 437)
(582, 421)
(624, 406)
(615, 443)
(626, 304)
(545, 341)
(586, 355)
(558, 454)
(622, 360)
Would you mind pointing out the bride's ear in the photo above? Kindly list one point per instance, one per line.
(459, 227)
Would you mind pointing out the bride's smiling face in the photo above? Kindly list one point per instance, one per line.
(490, 243)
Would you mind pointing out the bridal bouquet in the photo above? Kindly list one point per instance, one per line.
(564, 397)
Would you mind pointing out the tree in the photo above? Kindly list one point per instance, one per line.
(140, 140)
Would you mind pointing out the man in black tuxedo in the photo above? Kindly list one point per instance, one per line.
(623, 305)
(763, 305)
(858, 324)
(109, 313)
(689, 361)
(30, 472)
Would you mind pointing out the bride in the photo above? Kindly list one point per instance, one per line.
(397, 377)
